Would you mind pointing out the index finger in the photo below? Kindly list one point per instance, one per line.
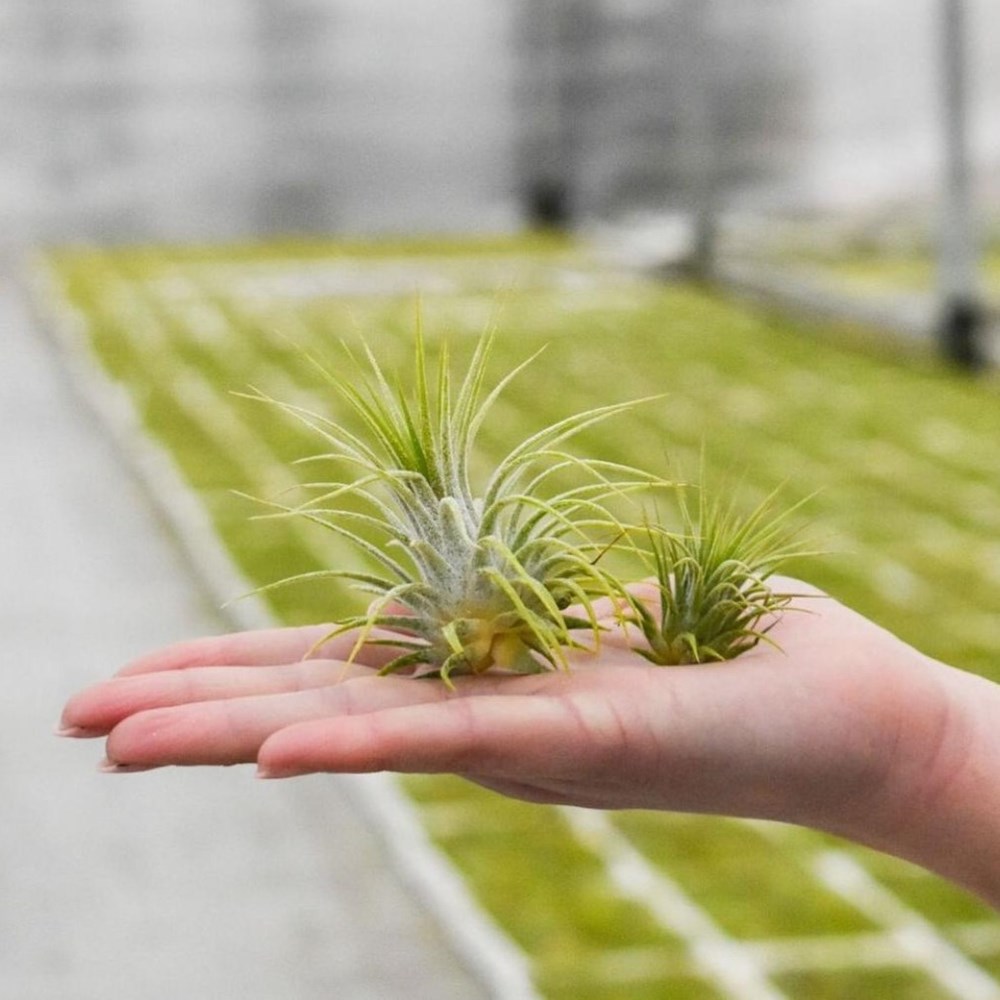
(260, 647)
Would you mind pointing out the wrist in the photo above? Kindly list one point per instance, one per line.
(938, 803)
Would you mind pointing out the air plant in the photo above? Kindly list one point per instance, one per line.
(714, 599)
(464, 580)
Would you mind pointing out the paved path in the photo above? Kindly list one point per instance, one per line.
(205, 885)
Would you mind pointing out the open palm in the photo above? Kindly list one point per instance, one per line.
(806, 729)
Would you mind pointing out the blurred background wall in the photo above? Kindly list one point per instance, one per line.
(170, 119)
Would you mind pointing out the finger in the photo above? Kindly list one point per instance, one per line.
(498, 735)
(232, 731)
(97, 710)
(262, 647)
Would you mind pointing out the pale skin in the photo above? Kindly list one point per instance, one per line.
(839, 726)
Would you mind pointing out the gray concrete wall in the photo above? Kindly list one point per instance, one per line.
(134, 119)
(159, 119)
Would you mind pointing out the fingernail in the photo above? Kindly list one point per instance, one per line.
(110, 767)
(77, 732)
(267, 773)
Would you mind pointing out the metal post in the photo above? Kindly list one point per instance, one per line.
(549, 156)
(961, 318)
(698, 135)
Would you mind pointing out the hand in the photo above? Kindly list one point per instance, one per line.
(841, 727)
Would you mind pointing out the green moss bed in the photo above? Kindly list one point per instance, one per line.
(900, 455)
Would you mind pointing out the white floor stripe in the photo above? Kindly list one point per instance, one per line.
(829, 953)
(916, 937)
(733, 968)
(499, 963)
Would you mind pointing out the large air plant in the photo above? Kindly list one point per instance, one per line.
(463, 579)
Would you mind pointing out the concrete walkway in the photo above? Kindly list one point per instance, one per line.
(201, 884)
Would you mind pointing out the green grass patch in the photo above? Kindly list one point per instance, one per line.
(568, 921)
(900, 455)
(713, 868)
(850, 984)
(939, 901)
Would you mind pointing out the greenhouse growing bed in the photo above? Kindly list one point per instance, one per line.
(898, 457)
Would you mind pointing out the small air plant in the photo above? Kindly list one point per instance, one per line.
(465, 580)
(715, 601)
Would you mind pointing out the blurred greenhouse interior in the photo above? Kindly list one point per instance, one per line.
(222, 190)
(157, 119)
